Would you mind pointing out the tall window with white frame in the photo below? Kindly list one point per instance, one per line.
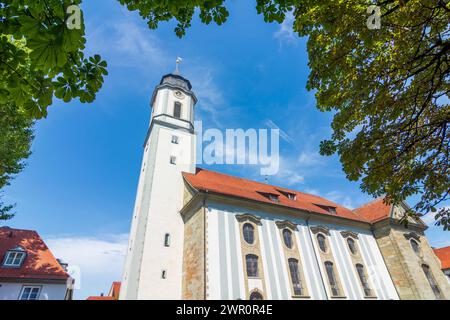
(30, 293)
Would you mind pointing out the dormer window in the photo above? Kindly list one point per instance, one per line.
(271, 196)
(289, 195)
(331, 210)
(14, 258)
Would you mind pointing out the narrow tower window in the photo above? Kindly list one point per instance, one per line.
(415, 247)
(332, 278)
(173, 160)
(177, 110)
(163, 274)
(167, 240)
(432, 282)
(249, 233)
(295, 277)
(287, 237)
(175, 139)
(252, 265)
(363, 279)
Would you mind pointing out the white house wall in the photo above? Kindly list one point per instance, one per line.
(12, 291)
(225, 275)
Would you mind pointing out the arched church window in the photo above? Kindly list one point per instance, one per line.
(256, 296)
(415, 246)
(432, 281)
(363, 279)
(322, 242)
(249, 233)
(287, 237)
(252, 265)
(332, 278)
(295, 276)
(352, 245)
(177, 110)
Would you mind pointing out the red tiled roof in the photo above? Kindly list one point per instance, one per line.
(112, 295)
(374, 211)
(115, 290)
(39, 262)
(206, 180)
(444, 255)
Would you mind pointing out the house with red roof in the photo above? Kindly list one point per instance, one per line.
(201, 234)
(444, 256)
(28, 269)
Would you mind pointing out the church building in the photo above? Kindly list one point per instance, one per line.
(200, 234)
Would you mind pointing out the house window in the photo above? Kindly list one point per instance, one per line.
(322, 242)
(363, 279)
(164, 274)
(415, 246)
(14, 258)
(287, 237)
(249, 233)
(175, 139)
(173, 160)
(332, 278)
(256, 296)
(432, 282)
(352, 245)
(252, 265)
(177, 110)
(30, 293)
(167, 240)
(295, 277)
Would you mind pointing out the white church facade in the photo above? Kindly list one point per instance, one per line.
(200, 234)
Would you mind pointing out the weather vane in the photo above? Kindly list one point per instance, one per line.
(177, 68)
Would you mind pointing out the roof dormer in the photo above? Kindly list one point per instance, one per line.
(14, 258)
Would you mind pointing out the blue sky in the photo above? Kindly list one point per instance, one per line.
(79, 186)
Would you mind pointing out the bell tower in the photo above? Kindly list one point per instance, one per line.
(153, 265)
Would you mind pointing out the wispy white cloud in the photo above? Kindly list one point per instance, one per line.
(340, 198)
(285, 33)
(99, 259)
(307, 159)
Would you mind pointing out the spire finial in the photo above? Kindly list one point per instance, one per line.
(177, 68)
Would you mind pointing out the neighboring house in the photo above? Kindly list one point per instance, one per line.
(200, 234)
(113, 293)
(28, 269)
(444, 256)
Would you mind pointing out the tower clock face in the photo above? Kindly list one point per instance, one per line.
(179, 94)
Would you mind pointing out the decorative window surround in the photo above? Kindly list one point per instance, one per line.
(249, 217)
(327, 256)
(351, 234)
(412, 235)
(251, 249)
(286, 224)
(293, 253)
(320, 229)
